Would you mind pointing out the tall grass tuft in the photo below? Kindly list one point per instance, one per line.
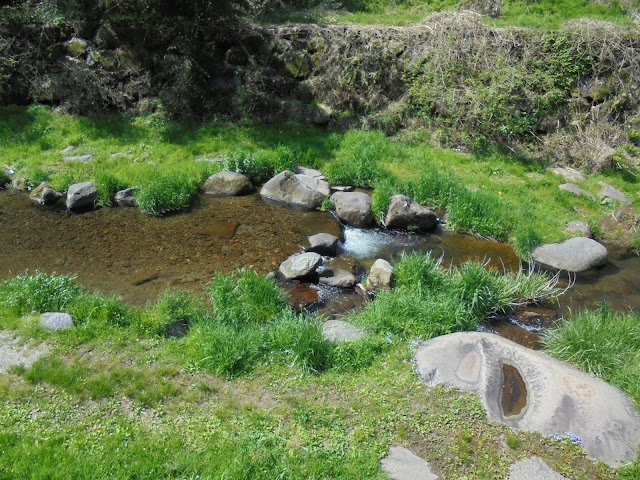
(38, 292)
(360, 158)
(169, 191)
(260, 165)
(602, 342)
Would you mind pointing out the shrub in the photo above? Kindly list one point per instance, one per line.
(38, 292)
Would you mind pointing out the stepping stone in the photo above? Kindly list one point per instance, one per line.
(612, 193)
(353, 208)
(324, 244)
(126, 198)
(300, 265)
(404, 213)
(528, 390)
(227, 183)
(533, 469)
(82, 195)
(579, 226)
(401, 464)
(576, 190)
(569, 174)
(381, 275)
(338, 278)
(341, 331)
(56, 321)
(574, 255)
(287, 188)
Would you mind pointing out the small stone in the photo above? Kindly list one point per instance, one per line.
(68, 149)
(612, 193)
(79, 158)
(19, 183)
(227, 183)
(342, 188)
(381, 275)
(353, 208)
(569, 174)
(310, 172)
(576, 190)
(323, 243)
(45, 195)
(341, 331)
(579, 226)
(404, 213)
(56, 321)
(208, 159)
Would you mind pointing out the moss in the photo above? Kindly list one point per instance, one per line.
(299, 66)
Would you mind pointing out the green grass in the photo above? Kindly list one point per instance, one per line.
(602, 342)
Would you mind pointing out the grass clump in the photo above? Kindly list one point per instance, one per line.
(429, 301)
(359, 159)
(38, 292)
(602, 342)
(259, 166)
(171, 190)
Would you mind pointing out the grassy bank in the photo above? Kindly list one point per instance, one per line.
(494, 196)
(251, 390)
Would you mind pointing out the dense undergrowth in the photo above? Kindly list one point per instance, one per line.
(493, 196)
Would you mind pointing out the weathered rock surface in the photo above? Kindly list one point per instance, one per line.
(402, 464)
(381, 275)
(227, 183)
(612, 193)
(82, 195)
(549, 397)
(300, 265)
(76, 47)
(579, 226)
(45, 195)
(303, 297)
(341, 331)
(574, 255)
(13, 353)
(621, 225)
(576, 190)
(404, 212)
(353, 208)
(533, 469)
(56, 321)
(323, 243)
(19, 183)
(315, 183)
(569, 174)
(338, 278)
(346, 262)
(286, 187)
(126, 198)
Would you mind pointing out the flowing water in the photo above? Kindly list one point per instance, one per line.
(136, 256)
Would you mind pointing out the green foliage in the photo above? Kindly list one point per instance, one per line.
(107, 184)
(262, 165)
(38, 292)
(171, 190)
(359, 160)
(602, 342)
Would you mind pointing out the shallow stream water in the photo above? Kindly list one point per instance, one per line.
(137, 256)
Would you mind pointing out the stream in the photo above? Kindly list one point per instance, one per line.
(136, 256)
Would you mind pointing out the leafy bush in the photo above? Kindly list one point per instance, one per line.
(169, 191)
(38, 292)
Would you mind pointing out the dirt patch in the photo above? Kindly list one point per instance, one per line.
(13, 353)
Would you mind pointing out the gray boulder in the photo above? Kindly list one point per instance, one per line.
(576, 190)
(353, 208)
(126, 198)
(612, 193)
(288, 188)
(341, 331)
(404, 212)
(227, 183)
(56, 321)
(402, 464)
(529, 390)
(569, 174)
(82, 195)
(381, 275)
(338, 278)
(45, 195)
(310, 172)
(581, 227)
(315, 183)
(574, 255)
(300, 265)
(324, 244)
(533, 469)
(19, 183)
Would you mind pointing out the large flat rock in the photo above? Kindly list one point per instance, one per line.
(532, 391)
(402, 464)
(533, 469)
(574, 255)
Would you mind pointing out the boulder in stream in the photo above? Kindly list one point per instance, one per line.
(82, 196)
(353, 208)
(288, 188)
(227, 183)
(300, 265)
(338, 278)
(529, 390)
(404, 213)
(324, 244)
(126, 198)
(574, 255)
